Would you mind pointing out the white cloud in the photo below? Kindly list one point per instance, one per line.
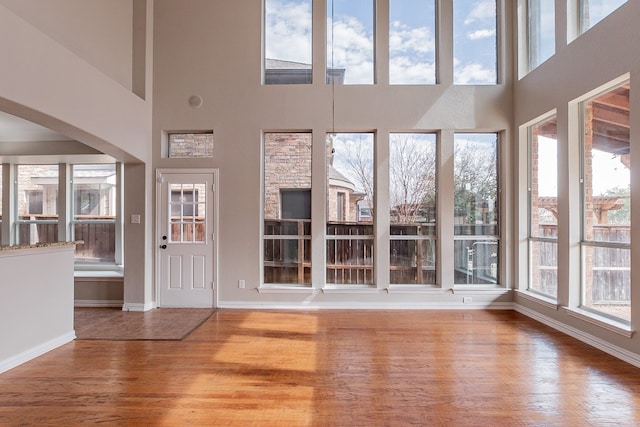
(288, 30)
(481, 34)
(352, 50)
(403, 38)
(473, 74)
(405, 70)
(482, 11)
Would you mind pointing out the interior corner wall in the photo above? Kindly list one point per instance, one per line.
(602, 54)
(138, 254)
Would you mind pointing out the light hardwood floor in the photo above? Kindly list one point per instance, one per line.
(331, 368)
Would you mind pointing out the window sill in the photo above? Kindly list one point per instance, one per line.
(539, 299)
(611, 325)
(414, 289)
(479, 289)
(98, 270)
(350, 289)
(285, 289)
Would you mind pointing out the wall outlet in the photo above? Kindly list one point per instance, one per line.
(467, 300)
(241, 283)
(135, 219)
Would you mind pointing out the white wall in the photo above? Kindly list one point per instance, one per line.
(49, 83)
(213, 49)
(106, 27)
(36, 304)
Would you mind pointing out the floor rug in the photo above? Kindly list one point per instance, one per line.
(158, 324)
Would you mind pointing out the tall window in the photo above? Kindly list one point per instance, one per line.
(412, 198)
(476, 213)
(1, 204)
(37, 204)
(540, 31)
(594, 11)
(287, 42)
(287, 208)
(543, 208)
(606, 225)
(350, 41)
(350, 240)
(475, 42)
(94, 212)
(412, 42)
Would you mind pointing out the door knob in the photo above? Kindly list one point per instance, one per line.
(163, 246)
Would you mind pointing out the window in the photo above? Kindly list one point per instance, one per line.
(287, 208)
(188, 207)
(541, 31)
(412, 198)
(412, 42)
(476, 213)
(594, 11)
(94, 212)
(190, 145)
(475, 42)
(350, 41)
(606, 185)
(350, 240)
(1, 203)
(287, 42)
(37, 204)
(543, 208)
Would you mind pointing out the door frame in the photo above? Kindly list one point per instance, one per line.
(158, 226)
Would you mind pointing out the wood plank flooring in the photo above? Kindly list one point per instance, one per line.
(331, 368)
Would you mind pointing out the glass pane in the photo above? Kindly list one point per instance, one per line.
(413, 262)
(544, 268)
(542, 43)
(188, 211)
(287, 42)
(350, 195)
(287, 207)
(94, 192)
(350, 262)
(543, 160)
(0, 202)
(99, 242)
(37, 199)
(412, 42)
(187, 145)
(606, 167)
(607, 281)
(350, 41)
(594, 11)
(412, 178)
(474, 42)
(287, 261)
(476, 184)
(476, 262)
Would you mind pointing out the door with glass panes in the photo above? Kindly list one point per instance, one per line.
(186, 239)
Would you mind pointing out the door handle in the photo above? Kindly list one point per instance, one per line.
(163, 246)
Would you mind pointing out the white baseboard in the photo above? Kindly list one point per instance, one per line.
(36, 351)
(129, 306)
(97, 303)
(600, 344)
(368, 306)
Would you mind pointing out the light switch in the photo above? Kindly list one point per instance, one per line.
(135, 219)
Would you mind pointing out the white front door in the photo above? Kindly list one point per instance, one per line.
(186, 239)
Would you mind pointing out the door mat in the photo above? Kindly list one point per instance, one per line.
(158, 324)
